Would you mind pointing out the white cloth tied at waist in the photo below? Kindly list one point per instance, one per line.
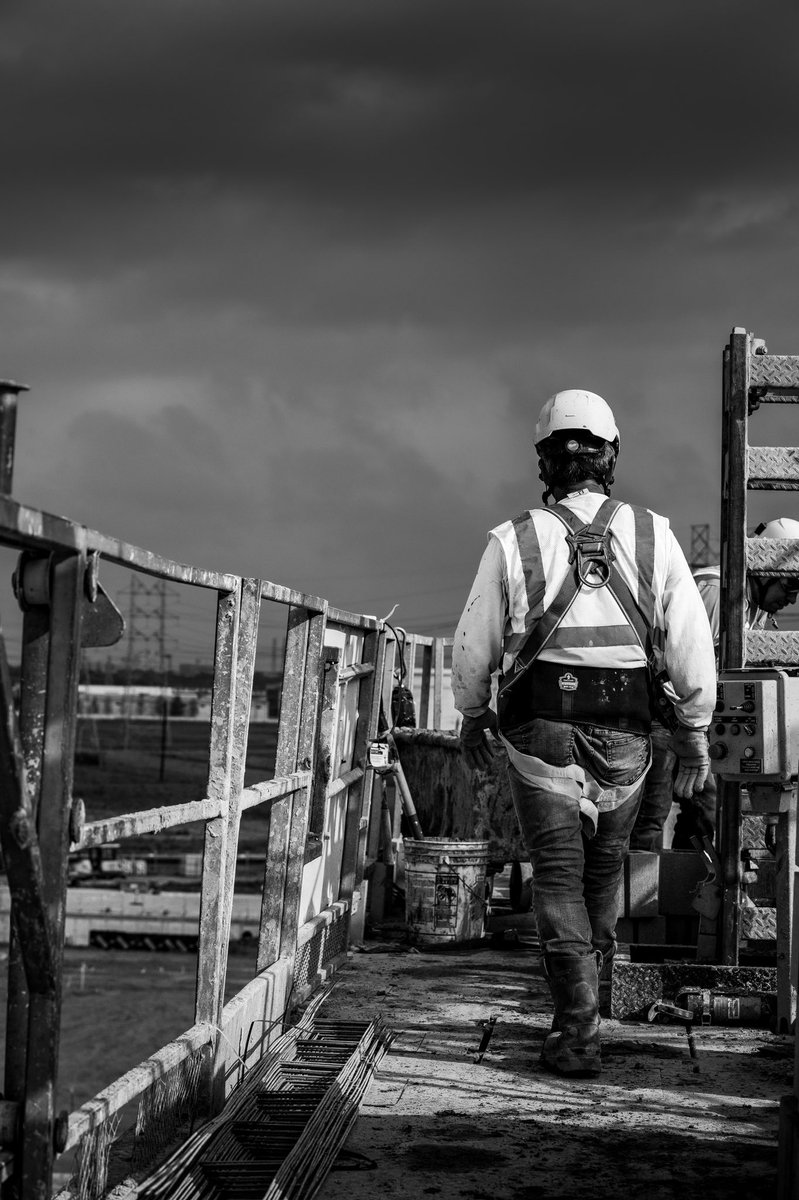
(574, 781)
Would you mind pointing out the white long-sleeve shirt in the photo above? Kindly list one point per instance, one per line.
(491, 630)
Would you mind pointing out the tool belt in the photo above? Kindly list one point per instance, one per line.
(615, 698)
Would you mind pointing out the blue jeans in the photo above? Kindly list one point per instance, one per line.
(697, 816)
(657, 794)
(576, 878)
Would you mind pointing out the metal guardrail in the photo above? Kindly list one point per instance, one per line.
(65, 609)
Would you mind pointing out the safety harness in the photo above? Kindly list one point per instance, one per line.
(621, 698)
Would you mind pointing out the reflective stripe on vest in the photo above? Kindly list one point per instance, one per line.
(526, 582)
(594, 631)
(645, 557)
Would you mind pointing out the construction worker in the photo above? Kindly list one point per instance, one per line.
(697, 817)
(578, 606)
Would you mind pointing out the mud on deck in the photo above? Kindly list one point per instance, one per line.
(665, 1119)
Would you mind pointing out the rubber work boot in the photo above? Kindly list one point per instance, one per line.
(572, 1047)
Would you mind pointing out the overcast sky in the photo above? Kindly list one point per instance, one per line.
(289, 281)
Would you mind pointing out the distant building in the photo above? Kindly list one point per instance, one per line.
(146, 702)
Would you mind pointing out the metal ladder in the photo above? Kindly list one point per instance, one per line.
(752, 377)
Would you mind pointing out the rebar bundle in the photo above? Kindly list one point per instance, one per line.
(281, 1130)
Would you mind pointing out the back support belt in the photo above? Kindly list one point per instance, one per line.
(613, 698)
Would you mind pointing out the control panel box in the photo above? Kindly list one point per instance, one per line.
(754, 733)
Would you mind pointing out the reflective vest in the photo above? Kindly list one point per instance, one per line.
(594, 631)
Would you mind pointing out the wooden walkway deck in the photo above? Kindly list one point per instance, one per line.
(442, 1119)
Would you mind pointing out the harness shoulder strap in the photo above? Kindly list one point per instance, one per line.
(638, 610)
(543, 630)
(602, 518)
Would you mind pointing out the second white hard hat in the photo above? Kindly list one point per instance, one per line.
(576, 409)
(780, 527)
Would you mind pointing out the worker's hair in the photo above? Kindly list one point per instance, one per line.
(562, 467)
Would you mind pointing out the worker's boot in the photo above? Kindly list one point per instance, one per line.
(572, 1046)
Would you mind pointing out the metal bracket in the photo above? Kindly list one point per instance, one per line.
(754, 398)
(77, 819)
(707, 893)
(706, 899)
(31, 580)
(102, 623)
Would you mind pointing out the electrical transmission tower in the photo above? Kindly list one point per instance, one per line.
(147, 639)
(700, 546)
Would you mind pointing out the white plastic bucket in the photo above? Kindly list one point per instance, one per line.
(445, 890)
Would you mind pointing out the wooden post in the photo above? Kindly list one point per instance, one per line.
(217, 894)
(285, 764)
(220, 768)
(300, 802)
(359, 800)
(296, 747)
(327, 763)
(33, 692)
(8, 432)
(733, 604)
(409, 651)
(424, 698)
(66, 594)
(438, 680)
(733, 592)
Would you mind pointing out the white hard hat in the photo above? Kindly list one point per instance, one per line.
(780, 527)
(575, 409)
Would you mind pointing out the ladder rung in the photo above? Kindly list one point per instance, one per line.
(773, 467)
(772, 648)
(774, 370)
(772, 556)
(770, 396)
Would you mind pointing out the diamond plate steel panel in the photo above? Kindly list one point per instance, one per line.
(774, 370)
(772, 556)
(773, 467)
(636, 986)
(771, 648)
(753, 831)
(759, 924)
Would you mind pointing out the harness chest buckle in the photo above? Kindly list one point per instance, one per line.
(593, 555)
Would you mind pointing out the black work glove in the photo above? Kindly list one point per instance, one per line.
(693, 761)
(477, 749)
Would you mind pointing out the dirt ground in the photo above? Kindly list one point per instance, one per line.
(443, 1119)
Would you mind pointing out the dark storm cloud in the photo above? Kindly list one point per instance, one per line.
(358, 161)
(290, 280)
(327, 525)
(411, 102)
